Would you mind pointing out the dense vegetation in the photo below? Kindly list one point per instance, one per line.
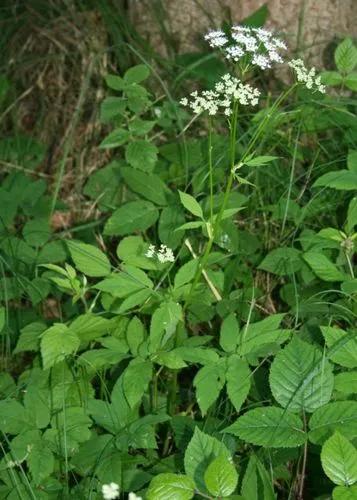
(180, 322)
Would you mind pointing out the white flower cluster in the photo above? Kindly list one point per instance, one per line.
(111, 491)
(163, 255)
(308, 77)
(227, 90)
(262, 48)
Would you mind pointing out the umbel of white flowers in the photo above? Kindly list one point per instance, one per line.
(163, 254)
(111, 492)
(256, 47)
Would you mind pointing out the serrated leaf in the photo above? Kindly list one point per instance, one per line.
(351, 81)
(301, 378)
(254, 335)
(163, 324)
(345, 493)
(323, 267)
(173, 486)
(89, 259)
(346, 382)
(41, 462)
(331, 78)
(191, 204)
(186, 273)
(221, 477)
(149, 186)
(229, 334)
(115, 139)
(339, 460)
(209, 382)
(346, 56)
(200, 452)
(342, 346)
(141, 154)
(337, 416)
(238, 378)
(269, 426)
(57, 343)
(131, 217)
(282, 261)
(137, 74)
(136, 378)
(13, 417)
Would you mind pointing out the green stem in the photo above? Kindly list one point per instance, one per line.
(210, 167)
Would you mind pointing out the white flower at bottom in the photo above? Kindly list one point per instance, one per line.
(110, 491)
(132, 496)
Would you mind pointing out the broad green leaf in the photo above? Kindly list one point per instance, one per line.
(257, 484)
(89, 259)
(141, 154)
(191, 204)
(186, 273)
(132, 250)
(37, 403)
(209, 382)
(238, 378)
(229, 334)
(346, 382)
(57, 343)
(136, 379)
(221, 477)
(198, 355)
(346, 56)
(149, 186)
(352, 214)
(339, 460)
(115, 82)
(126, 282)
(171, 218)
(301, 378)
(137, 74)
(131, 217)
(36, 232)
(200, 452)
(270, 427)
(89, 327)
(141, 127)
(338, 416)
(41, 462)
(29, 339)
(134, 300)
(13, 417)
(103, 186)
(163, 324)
(73, 424)
(331, 78)
(112, 107)
(135, 334)
(345, 493)
(282, 261)
(323, 267)
(342, 345)
(96, 359)
(171, 486)
(171, 359)
(351, 81)
(340, 179)
(254, 335)
(115, 139)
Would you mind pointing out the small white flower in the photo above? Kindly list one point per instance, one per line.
(216, 39)
(150, 252)
(110, 491)
(132, 496)
(307, 77)
(184, 101)
(163, 255)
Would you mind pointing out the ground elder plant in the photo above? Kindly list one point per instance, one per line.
(202, 339)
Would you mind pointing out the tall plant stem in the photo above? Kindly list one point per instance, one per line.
(303, 468)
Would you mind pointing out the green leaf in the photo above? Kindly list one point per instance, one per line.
(132, 251)
(260, 160)
(200, 452)
(338, 416)
(140, 127)
(115, 82)
(29, 339)
(339, 460)
(221, 477)
(270, 427)
(345, 493)
(301, 378)
(171, 486)
(89, 327)
(88, 259)
(131, 217)
(340, 179)
(229, 334)
(171, 359)
(36, 232)
(352, 161)
(41, 462)
(186, 273)
(125, 283)
(163, 324)
(209, 382)
(36, 402)
(342, 346)
(135, 335)
(171, 218)
(282, 261)
(238, 378)
(323, 267)
(254, 335)
(332, 78)
(137, 74)
(346, 382)
(346, 56)
(141, 154)
(352, 214)
(136, 379)
(57, 343)
(351, 81)
(191, 204)
(257, 484)
(112, 107)
(13, 417)
(149, 186)
(115, 139)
